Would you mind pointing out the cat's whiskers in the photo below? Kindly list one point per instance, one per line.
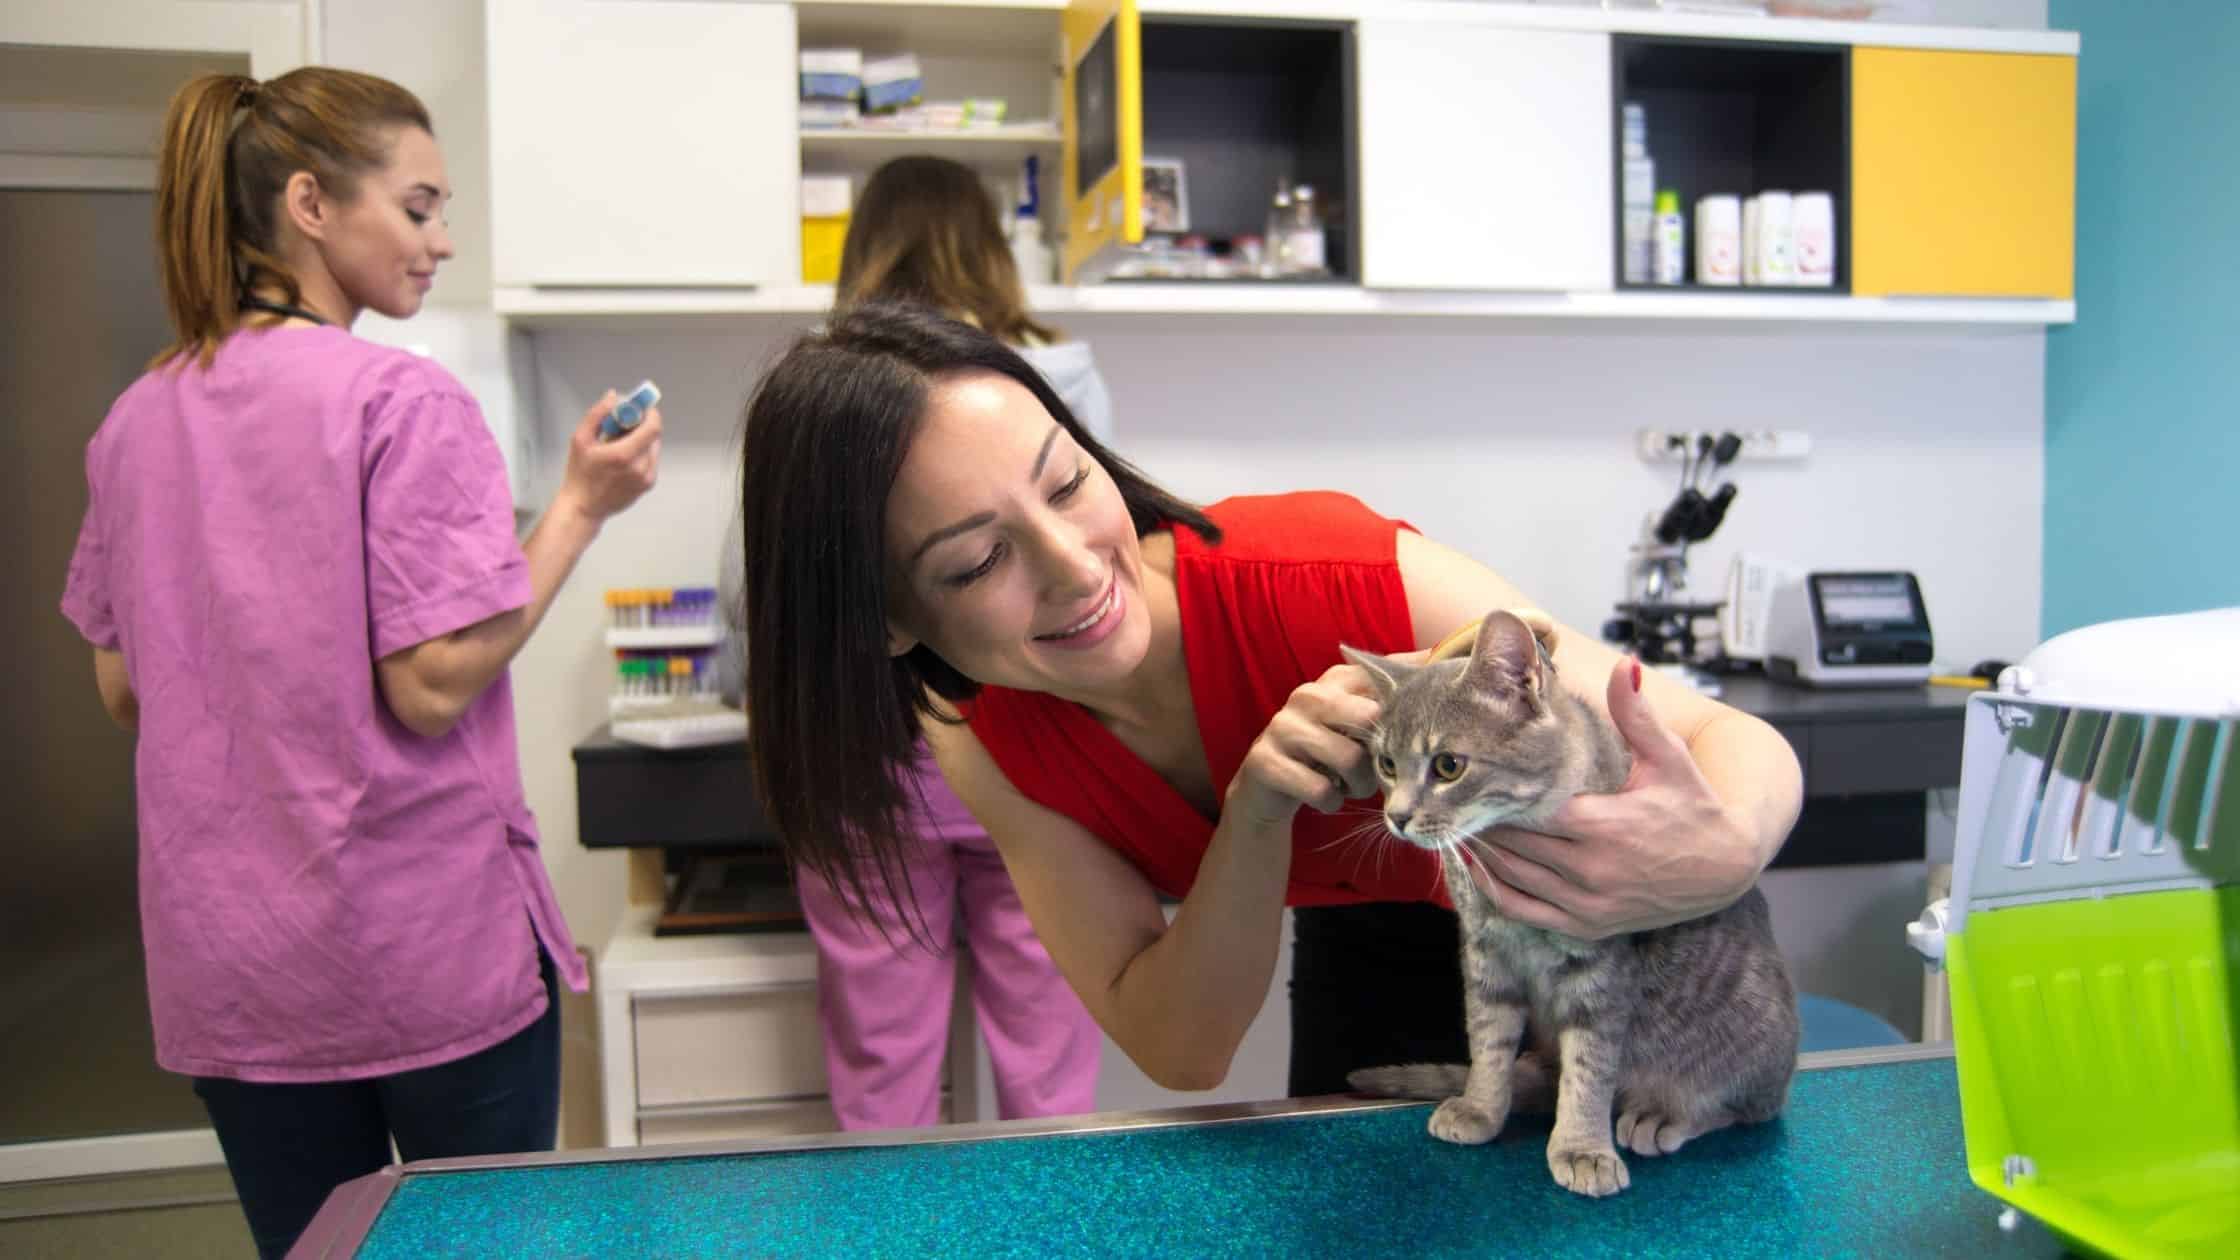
(1374, 823)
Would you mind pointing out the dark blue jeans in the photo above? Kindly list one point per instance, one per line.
(1372, 985)
(289, 1146)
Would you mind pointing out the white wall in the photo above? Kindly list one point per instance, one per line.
(1513, 445)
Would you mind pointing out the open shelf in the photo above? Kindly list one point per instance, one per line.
(1740, 117)
(971, 144)
(1244, 104)
(1756, 308)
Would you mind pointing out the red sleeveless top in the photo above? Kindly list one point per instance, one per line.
(1262, 612)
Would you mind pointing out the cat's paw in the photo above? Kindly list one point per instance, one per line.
(1593, 1172)
(1647, 1133)
(1465, 1123)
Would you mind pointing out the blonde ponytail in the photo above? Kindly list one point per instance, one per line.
(194, 232)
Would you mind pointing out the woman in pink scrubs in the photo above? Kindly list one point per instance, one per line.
(299, 574)
(925, 229)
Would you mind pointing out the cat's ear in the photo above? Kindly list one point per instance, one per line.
(1385, 674)
(1506, 658)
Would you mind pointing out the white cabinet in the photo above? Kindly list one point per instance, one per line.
(707, 1038)
(643, 143)
(489, 357)
(1486, 157)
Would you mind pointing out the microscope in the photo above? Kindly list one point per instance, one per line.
(1657, 621)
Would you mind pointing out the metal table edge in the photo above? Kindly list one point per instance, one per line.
(1057, 1126)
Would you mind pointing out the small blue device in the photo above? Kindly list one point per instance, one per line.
(629, 411)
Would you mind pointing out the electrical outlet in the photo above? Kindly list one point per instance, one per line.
(1667, 446)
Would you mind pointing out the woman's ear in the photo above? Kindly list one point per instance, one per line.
(304, 205)
(899, 641)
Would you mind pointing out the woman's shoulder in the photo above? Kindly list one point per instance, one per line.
(1302, 526)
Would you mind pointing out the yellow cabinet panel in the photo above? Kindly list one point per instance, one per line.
(1963, 173)
(1102, 111)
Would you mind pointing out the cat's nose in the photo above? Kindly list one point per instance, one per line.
(1398, 819)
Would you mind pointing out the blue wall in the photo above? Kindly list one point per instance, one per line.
(2142, 408)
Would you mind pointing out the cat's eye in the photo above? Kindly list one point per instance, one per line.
(1448, 767)
(1385, 768)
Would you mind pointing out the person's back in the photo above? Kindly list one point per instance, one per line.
(300, 580)
(925, 230)
(268, 527)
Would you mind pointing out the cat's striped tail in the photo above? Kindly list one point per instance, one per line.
(1530, 1087)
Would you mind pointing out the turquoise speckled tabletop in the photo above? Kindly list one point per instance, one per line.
(1867, 1162)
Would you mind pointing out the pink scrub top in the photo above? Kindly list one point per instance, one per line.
(324, 895)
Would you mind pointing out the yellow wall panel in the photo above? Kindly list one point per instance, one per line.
(1963, 173)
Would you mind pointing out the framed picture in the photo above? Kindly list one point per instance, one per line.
(1166, 201)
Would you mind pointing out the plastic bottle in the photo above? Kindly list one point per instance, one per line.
(1671, 239)
(1029, 253)
(1303, 245)
(1637, 195)
(1276, 260)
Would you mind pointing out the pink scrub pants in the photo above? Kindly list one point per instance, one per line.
(885, 1000)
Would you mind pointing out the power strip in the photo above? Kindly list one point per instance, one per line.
(1666, 446)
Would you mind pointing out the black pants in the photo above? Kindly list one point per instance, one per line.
(1373, 985)
(289, 1146)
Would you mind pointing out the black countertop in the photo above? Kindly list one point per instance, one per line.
(1867, 755)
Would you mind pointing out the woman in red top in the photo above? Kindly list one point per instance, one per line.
(1151, 698)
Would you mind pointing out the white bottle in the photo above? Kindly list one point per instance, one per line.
(1718, 240)
(1277, 261)
(1812, 220)
(1637, 197)
(1750, 241)
(1776, 243)
(1303, 244)
(1028, 251)
(1671, 239)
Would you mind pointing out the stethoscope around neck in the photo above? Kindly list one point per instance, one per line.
(254, 303)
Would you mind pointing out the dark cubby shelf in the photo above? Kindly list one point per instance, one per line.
(1244, 104)
(1741, 117)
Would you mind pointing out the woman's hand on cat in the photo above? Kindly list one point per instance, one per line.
(1661, 850)
(1310, 752)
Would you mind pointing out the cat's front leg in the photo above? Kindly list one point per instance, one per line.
(1580, 1152)
(1493, 1003)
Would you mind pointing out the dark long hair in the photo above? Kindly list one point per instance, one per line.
(230, 145)
(925, 230)
(835, 718)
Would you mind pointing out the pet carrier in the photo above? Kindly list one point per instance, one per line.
(2092, 937)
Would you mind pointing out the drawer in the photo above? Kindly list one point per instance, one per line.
(738, 1045)
(805, 1117)
(1853, 757)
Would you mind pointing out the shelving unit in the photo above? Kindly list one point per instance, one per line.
(963, 50)
(1739, 117)
(1371, 101)
(1152, 299)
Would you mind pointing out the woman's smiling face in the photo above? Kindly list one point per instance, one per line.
(1010, 552)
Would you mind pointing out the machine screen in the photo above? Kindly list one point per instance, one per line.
(1867, 599)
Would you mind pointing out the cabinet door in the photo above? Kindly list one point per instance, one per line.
(1486, 158)
(644, 142)
(1963, 173)
(1101, 171)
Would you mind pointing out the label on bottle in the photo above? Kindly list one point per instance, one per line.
(1304, 250)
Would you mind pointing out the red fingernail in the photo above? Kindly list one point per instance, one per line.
(1637, 675)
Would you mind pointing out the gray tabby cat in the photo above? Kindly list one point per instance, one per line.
(1687, 1028)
